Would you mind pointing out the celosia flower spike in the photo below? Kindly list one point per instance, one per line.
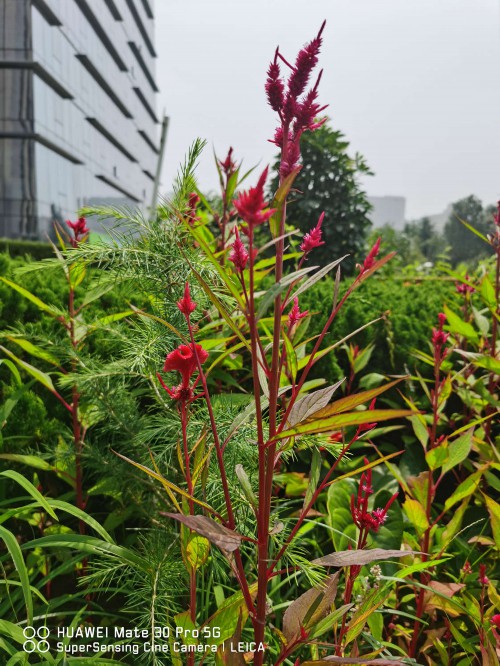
(295, 314)
(306, 61)
(239, 254)
(251, 206)
(372, 255)
(495, 621)
(362, 517)
(274, 86)
(483, 578)
(313, 238)
(439, 337)
(80, 230)
(186, 305)
(227, 165)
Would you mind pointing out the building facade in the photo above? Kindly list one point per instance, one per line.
(78, 122)
(388, 210)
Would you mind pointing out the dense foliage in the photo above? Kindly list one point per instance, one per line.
(243, 458)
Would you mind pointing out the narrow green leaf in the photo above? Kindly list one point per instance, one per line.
(54, 312)
(30, 488)
(89, 544)
(343, 420)
(17, 557)
(352, 401)
(41, 377)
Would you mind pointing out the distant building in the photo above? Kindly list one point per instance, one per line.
(77, 109)
(388, 210)
(440, 219)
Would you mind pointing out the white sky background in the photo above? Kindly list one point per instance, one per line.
(413, 84)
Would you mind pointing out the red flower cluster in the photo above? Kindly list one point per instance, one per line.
(297, 113)
(80, 230)
(192, 205)
(228, 165)
(495, 621)
(295, 315)
(184, 360)
(313, 238)
(483, 578)
(439, 337)
(463, 288)
(239, 254)
(251, 206)
(362, 517)
(371, 256)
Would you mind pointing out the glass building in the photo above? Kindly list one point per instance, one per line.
(78, 124)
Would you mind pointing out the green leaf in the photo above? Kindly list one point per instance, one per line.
(92, 545)
(279, 200)
(227, 616)
(352, 401)
(317, 276)
(17, 557)
(420, 429)
(494, 511)
(34, 350)
(41, 377)
(344, 420)
(30, 488)
(487, 292)
(313, 476)
(458, 450)
(460, 327)
(338, 504)
(416, 515)
(465, 489)
(54, 312)
(470, 227)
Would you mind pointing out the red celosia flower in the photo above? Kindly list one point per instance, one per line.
(227, 165)
(186, 305)
(483, 578)
(371, 256)
(306, 61)
(362, 517)
(295, 314)
(183, 360)
(313, 238)
(297, 112)
(251, 206)
(274, 86)
(239, 254)
(439, 337)
(496, 216)
(463, 288)
(495, 620)
(80, 230)
(192, 205)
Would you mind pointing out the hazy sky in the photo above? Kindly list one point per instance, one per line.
(413, 84)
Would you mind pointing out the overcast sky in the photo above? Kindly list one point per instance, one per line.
(413, 84)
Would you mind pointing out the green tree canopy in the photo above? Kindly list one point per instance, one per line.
(465, 245)
(329, 182)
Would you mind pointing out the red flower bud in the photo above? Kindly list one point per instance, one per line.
(186, 305)
(251, 205)
(239, 254)
(313, 238)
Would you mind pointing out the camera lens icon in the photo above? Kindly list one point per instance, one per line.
(31, 644)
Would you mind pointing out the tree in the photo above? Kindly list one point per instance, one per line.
(465, 245)
(427, 244)
(329, 182)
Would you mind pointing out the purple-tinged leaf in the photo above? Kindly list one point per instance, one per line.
(218, 534)
(349, 558)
